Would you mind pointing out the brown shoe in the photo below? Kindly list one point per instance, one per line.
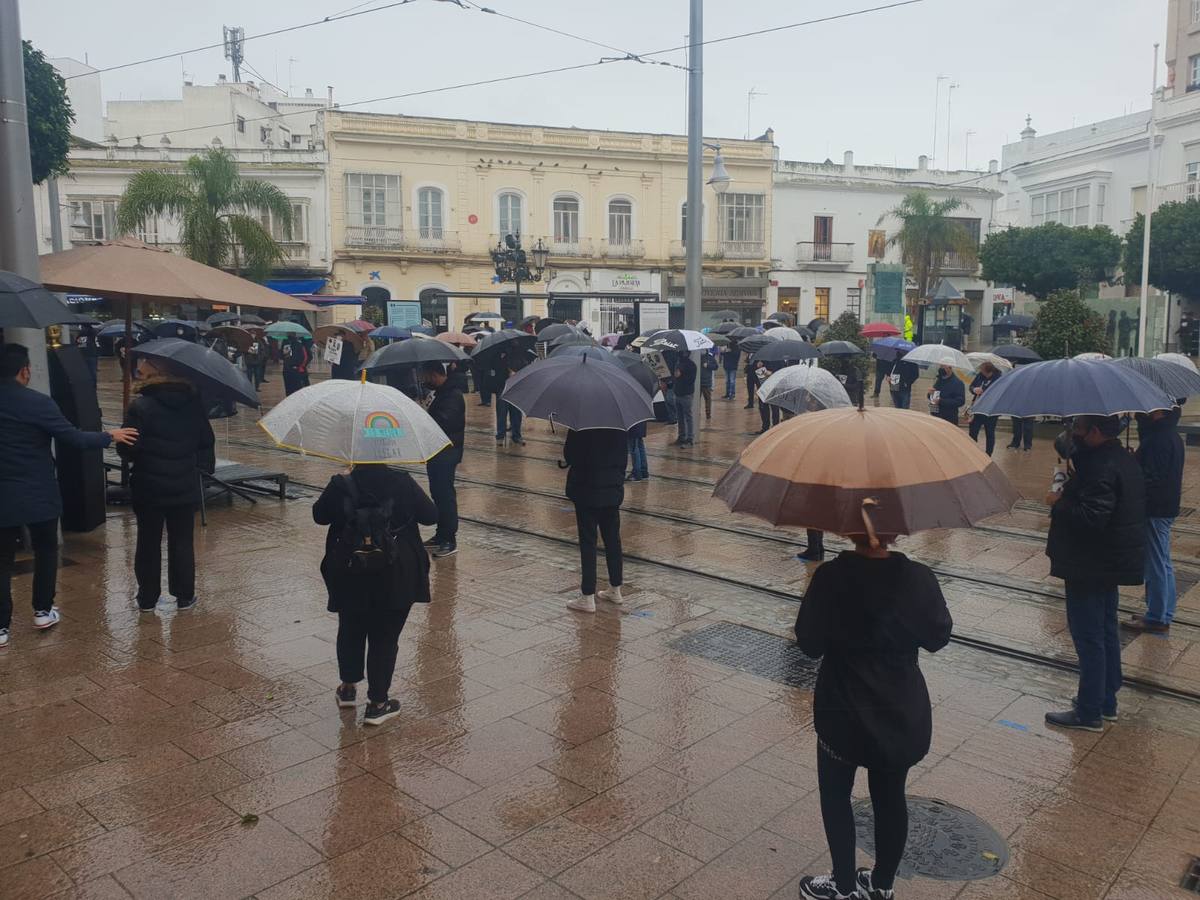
(1142, 625)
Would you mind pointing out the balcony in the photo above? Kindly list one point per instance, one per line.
(826, 256)
(954, 264)
(431, 240)
(576, 248)
(1179, 192)
(712, 250)
(634, 249)
(374, 237)
(742, 249)
(294, 251)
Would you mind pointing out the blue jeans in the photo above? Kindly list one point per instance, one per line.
(1160, 574)
(506, 413)
(638, 465)
(902, 397)
(685, 409)
(1092, 619)
(730, 383)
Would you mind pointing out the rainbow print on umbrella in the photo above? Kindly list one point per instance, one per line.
(382, 425)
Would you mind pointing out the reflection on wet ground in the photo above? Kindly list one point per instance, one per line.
(543, 753)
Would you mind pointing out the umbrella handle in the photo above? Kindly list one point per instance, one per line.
(870, 502)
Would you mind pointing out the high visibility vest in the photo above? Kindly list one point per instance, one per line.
(908, 327)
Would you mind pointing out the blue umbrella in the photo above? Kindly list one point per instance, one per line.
(1071, 387)
(891, 348)
(391, 333)
(580, 393)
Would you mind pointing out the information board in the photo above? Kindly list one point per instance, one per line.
(889, 288)
(653, 315)
(404, 313)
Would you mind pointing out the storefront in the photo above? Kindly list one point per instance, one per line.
(721, 296)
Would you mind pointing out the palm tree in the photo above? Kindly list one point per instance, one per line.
(218, 210)
(927, 234)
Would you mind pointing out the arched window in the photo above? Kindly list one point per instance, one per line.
(429, 213)
(683, 219)
(566, 220)
(510, 214)
(434, 307)
(620, 222)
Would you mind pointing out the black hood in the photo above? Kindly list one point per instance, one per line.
(171, 394)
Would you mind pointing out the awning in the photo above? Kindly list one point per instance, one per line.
(332, 299)
(295, 285)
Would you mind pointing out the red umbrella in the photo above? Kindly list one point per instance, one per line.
(362, 326)
(879, 330)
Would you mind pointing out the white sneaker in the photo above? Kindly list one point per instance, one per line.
(612, 595)
(583, 603)
(3, 638)
(46, 618)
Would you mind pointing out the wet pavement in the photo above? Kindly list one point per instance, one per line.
(548, 754)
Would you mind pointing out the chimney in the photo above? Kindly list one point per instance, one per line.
(922, 163)
(993, 166)
(848, 162)
(308, 92)
(1028, 133)
(329, 95)
(221, 79)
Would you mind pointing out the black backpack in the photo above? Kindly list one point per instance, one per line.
(368, 542)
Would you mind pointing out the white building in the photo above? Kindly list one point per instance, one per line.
(830, 225)
(83, 90)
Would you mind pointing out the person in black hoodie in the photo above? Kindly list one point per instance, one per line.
(947, 395)
(373, 607)
(449, 409)
(984, 379)
(1160, 454)
(866, 614)
(595, 463)
(903, 376)
(295, 364)
(174, 447)
(1096, 542)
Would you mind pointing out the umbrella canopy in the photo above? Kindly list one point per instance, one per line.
(580, 350)
(403, 354)
(114, 328)
(727, 315)
(840, 348)
(999, 362)
(610, 340)
(345, 332)
(635, 365)
(508, 339)
(726, 327)
(1173, 378)
(1092, 356)
(718, 339)
(232, 334)
(756, 342)
(1017, 353)
(801, 389)
(575, 339)
(457, 338)
(215, 376)
(82, 319)
(785, 317)
(1016, 322)
(26, 304)
(355, 422)
(1072, 387)
(939, 355)
(770, 324)
(680, 340)
(391, 333)
(580, 393)
(360, 325)
(1179, 359)
(743, 331)
(879, 330)
(281, 331)
(527, 321)
(251, 319)
(554, 330)
(485, 317)
(789, 352)
(543, 324)
(176, 328)
(221, 318)
(891, 348)
(786, 333)
(816, 325)
(908, 471)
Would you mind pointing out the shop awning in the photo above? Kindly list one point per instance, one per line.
(295, 285)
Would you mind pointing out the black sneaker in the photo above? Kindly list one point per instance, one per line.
(867, 891)
(822, 887)
(434, 541)
(347, 695)
(444, 549)
(1070, 719)
(1106, 715)
(378, 713)
(186, 604)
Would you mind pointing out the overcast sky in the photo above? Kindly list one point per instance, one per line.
(864, 83)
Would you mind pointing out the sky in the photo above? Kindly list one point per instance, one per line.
(864, 83)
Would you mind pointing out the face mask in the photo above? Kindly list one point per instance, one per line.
(1066, 444)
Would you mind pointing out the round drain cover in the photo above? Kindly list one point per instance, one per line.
(944, 842)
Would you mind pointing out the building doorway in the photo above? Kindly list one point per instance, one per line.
(435, 308)
(375, 307)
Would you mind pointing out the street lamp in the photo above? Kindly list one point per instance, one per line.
(512, 263)
(720, 179)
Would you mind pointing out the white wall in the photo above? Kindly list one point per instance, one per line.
(84, 93)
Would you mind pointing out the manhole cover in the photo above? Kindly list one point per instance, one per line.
(752, 651)
(945, 842)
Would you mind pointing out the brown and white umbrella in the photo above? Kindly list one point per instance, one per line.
(822, 470)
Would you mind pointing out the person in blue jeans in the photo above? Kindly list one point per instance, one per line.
(639, 467)
(507, 416)
(1096, 543)
(685, 390)
(1160, 454)
(729, 362)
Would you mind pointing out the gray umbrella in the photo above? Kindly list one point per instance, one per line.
(403, 354)
(507, 339)
(786, 351)
(215, 376)
(577, 339)
(26, 304)
(636, 365)
(555, 330)
(596, 353)
(580, 393)
(1171, 377)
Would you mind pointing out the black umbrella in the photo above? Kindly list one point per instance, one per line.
(1014, 322)
(726, 327)
(1171, 377)
(782, 317)
(175, 328)
(596, 353)
(580, 393)
(508, 339)
(786, 351)
(116, 327)
(81, 320)
(804, 332)
(485, 316)
(527, 321)
(1016, 353)
(768, 324)
(215, 376)
(635, 364)
(727, 315)
(840, 348)
(817, 324)
(744, 332)
(755, 342)
(575, 339)
(222, 318)
(543, 324)
(251, 319)
(26, 304)
(554, 330)
(402, 354)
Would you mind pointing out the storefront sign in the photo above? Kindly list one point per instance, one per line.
(404, 313)
(1001, 295)
(632, 282)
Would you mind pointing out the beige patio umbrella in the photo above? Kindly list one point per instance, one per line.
(127, 270)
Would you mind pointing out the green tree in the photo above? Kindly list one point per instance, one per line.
(48, 111)
(218, 211)
(1174, 249)
(1066, 326)
(846, 327)
(1048, 258)
(927, 233)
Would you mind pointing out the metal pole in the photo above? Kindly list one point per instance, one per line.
(18, 225)
(694, 280)
(949, 104)
(1145, 294)
(56, 241)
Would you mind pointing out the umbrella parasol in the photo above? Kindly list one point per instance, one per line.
(770, 324)
(635, 364)
(222, 318)
(891, 348)
(756, 341)
(403, 354)
(527, 321)
(355, 422)
(575, 339)
(879, 330)
(485, 317)
(785, 333)
(83, 319)
(362, 326)
(789, 352)
(543, 324)
(726, 315)
(345, 332)
(1171, 377)
(939, 355)
(391, 333)
(801, 389)
(727, 327)
(785, 317)
(1016, 322)
(26, 304)
(116, 327)
(1016, 353)
(998, 362)
(176, 328)
(580, 350)
(718, 339)
(580, 393)
(680, 340)
(1093, 356)
(1179, 359)
(554, 330)
(906, 470)
(281, 331)
(744, 331)
(232, 334)
(457, 338)
(1071, 387)
(610, 340)
(506, 340)
(215, 376)
(840, 348)
(251, 319)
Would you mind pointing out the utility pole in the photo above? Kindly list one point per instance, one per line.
(937, 111)
(18, 226)
(750, 95)
(949, 103)
(235, 36)
(967, 149)
(1150, 173)
(694, 279)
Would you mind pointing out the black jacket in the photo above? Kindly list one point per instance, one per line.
(175, 444)
(408, 581)
(982, 381)
(729, 358)
(1097, 527)
(449, 410)
(867, 618)
(685, 376)
(1160, 454)
(952, 396)
(596, 467)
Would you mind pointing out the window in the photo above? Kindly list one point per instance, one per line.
(99, 219)
(299, 224)
(742, 217)
(1068, 207)
(264, 134)
(1195, 12)
(854, 302)
(429, 213)
(620, 223)
(297, 139)
(1193, 72)
(373, 200)
(1192, 174)
(147, 231)
(511, 215)
(822, 237)
(821, 309)
(285, 137)
(1101, 199)
(566, 220)
(241, 125)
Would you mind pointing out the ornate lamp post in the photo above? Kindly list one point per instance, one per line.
(514, 265)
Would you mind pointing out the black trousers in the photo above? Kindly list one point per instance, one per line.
(1022, 430)
(835, 780)
(769, 414)
(43, 538)
(608, 520)
(180, 522)
(444, 496)
(879, 378)
(988, 424)
(370, 638)
(292, 381)
(751, 387)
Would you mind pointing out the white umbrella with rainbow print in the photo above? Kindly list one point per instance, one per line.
(355, 422)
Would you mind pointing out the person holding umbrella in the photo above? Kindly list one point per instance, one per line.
(729, 362)
(449, 410)
(684, 389)
(947, 395)
(708, 365)
(295, 364)
(984, 379)
(595, 463)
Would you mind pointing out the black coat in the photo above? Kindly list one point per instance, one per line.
(909, 372)
(952, 396)
(685, 376)
(982, 381)
(1097, 527)
(729, 358)
(1160, 454)
(408, 581)
(596, 467)
(449, 409)
(174, 445)
(28, 484)
(867, 618)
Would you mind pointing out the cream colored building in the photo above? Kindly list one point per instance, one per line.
(416, 204)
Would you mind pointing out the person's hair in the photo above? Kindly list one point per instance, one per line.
(433, 368)
(1109, 426)
(13, 358)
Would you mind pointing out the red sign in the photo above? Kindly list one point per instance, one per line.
(774, 282)
(473, 219)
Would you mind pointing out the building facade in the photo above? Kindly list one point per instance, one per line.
(417, 204)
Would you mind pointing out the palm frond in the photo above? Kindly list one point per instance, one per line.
(204, 237)
(152, 193)
(259, 251)
(215, 176)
